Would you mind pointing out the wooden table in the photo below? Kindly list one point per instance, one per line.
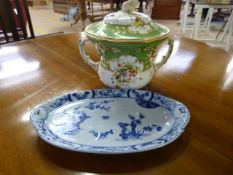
(166, 9)
(199, 76)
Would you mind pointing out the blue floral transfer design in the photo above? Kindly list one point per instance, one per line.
(144, 99)
(99, 105)
(101, 135)
(74, 125)
(105, 117)
(134, 130)
(77, 116)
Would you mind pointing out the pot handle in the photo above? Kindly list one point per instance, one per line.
(167, 56)
(85, 56)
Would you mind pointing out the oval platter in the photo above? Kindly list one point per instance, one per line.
(110, 121)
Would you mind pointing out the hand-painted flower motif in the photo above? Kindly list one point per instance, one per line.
(138, 21)
(125, 68)
(138, 29)
(101, 135)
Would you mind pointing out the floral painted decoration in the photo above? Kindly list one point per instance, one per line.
(138, 21)
(125, 69)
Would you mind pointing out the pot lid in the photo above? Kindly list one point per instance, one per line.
(127, 26)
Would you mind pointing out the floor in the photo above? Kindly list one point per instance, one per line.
(45, 21)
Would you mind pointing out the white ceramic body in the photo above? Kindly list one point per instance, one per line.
(136, 82)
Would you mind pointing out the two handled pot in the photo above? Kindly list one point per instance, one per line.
(123, 66)
(128, 43)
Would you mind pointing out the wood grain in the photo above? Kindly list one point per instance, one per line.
(197, 75)
(166, 9)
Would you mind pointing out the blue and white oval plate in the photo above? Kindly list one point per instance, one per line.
(110, 121)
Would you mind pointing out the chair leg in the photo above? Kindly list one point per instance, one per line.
(220, 31)
(147, 3)
(227, 27)
(77, 18)
(184, 21)
(228, 42)
(83, 21)
(89, 5)
(208, 21)
(4, 30)
(197, 22)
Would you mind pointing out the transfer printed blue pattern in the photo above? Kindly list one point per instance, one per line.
(101, 105)
(132, 127)
(77, 116)
(73, 125)
(133, 130)
(105, 117)
(101, 135)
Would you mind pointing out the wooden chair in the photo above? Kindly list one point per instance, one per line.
(98, 10)
(14, 18)
(36, 2)
(224, 40)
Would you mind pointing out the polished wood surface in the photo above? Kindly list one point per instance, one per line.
(36, 70)
(166, 9)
